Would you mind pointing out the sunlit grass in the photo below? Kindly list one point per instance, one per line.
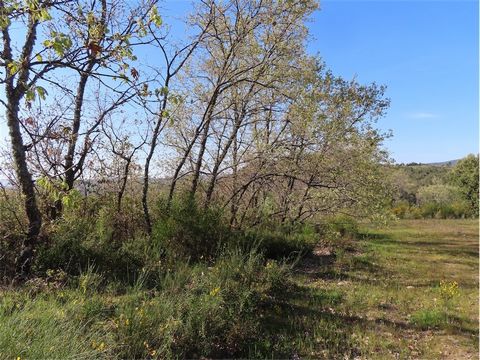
(410, 283)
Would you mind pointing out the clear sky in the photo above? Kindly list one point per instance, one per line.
(426, 52)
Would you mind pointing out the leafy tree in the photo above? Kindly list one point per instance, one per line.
(465, 176)
(438, 194)
(87, 38)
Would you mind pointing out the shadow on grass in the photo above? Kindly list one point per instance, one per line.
(306, 323)
(344, 267)
(300, 325)
(448, 248)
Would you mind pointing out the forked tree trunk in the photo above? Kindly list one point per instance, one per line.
(153, 145)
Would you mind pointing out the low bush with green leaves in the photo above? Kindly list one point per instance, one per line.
(432, 210)
(184, 230)
(340, 227)
(282, 242)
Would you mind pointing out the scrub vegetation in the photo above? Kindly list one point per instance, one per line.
(220, 194)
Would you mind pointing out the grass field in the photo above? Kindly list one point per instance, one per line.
(406, 291)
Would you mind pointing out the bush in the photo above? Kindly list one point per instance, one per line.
(401, 209)
(12, 231)
(339, 227)
(193, 311)
(202, 311)
(429, 318)
(281, 243)
(185, 231)
(77, 243)
(432, 210)
(438, 194)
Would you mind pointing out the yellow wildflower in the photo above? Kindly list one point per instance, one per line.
(448, 290)
(215, 291)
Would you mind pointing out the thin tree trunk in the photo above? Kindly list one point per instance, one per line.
(203, 144)
(213, 180)
(304, 198)
(124, 182)
(234, 205)
(153, 145)
(70, 169)
(286, 201)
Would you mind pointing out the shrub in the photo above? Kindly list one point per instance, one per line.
(401, 209)
(186, 231)
(193, 311)
(281, 243)
(201, 311)
(339, 227)
(438, 194)
(429, 318)
(75, 244)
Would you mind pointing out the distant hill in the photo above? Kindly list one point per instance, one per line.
(444, 163)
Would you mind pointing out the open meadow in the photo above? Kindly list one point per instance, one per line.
(406, 291)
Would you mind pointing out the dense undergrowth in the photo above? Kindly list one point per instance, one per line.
(432, 210)
(192, 311)
(196, 288)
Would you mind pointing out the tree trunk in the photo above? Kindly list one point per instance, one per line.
(14, 95)
(234, 204)
(153, 145)
(70, 169)
(24, 260)
(216, 168)
(203, 144)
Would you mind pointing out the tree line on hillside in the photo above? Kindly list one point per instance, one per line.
(429, 191)
(236, 115)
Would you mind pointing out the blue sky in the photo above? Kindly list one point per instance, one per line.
(426, 52)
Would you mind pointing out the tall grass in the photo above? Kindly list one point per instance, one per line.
(103, 288)
(193, 311)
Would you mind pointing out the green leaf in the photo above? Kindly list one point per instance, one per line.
(59, 42)
(41, 92)
(44, 15)
(30, 95)
(155, 16)
(4, 22)
(13, 67)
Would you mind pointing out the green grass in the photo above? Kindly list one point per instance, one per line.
(406, 291)
(193, 311)
(388, 298)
